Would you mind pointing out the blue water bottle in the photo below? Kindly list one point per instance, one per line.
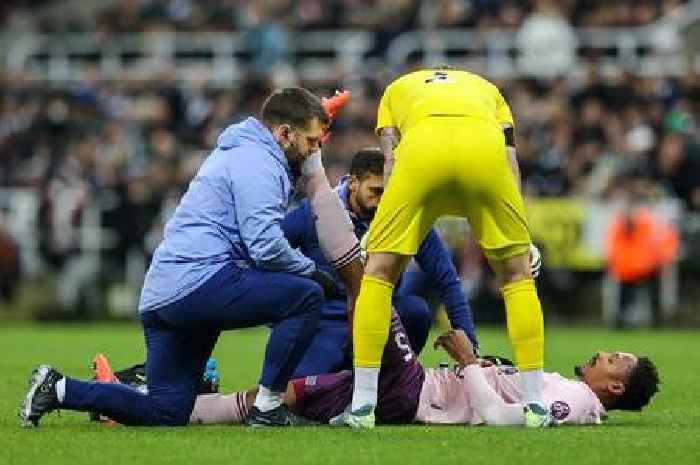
(211, 375)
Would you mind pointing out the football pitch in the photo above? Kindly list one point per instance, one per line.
(668, 432)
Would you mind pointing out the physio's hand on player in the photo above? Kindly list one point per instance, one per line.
(327, 283)
(457, 345)
(535, 260)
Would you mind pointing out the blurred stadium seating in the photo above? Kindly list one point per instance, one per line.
(107, 107)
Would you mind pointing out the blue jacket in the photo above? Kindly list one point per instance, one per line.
(231, 212)
(432, 257)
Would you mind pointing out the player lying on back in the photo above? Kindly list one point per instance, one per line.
(476, 393)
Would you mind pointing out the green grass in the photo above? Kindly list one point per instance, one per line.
(668, 432)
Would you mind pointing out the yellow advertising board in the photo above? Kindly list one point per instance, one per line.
(559, 228)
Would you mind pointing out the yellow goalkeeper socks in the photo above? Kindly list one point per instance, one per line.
(525, 324)
(371, 322)
(526, 333)
(370, 332)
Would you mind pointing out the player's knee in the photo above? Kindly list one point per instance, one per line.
(512, 269)
(386, 266)
(315, 295)
(311, 299)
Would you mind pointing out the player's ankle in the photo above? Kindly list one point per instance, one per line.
(532, 382)
(365, 389)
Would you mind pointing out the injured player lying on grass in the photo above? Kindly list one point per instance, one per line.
(478, 392)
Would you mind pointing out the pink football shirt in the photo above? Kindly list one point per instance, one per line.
(445, 399)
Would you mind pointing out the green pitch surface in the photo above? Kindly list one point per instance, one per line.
(667, 433)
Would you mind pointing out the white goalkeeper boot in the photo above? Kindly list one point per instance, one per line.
(536, 416)
(362, 418)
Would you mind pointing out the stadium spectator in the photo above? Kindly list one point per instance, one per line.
(678, 168)
(640, 244)
(547, 41)
(9, 265)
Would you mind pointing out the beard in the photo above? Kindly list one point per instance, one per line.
(295, 168)
(365, 213)
(368, 213)
(295, 160)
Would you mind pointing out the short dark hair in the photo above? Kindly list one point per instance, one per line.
(367, 161)
(295, 106)
(641, 385)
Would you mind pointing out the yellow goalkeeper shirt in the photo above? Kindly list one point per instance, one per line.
(421, 94)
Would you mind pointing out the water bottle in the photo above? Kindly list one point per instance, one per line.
(211, 375)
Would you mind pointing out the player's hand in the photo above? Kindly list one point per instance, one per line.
(327, 283)
(535, 260)
(458, 346)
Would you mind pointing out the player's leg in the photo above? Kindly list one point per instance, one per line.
(175, 360)
(525, 325)
(233, 408)
(231, 299)
(327, 351)
(245, 298)
(496, 214)
(293, 331)
(416, 317)
(399, 226)
(219, 408)
(401, 378)
(321, 398)
(176, 357)
(400, 385)
(371, 327)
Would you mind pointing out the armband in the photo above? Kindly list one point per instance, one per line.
(509, 133)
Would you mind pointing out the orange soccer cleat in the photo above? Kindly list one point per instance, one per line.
(103, 374)
(103, 371)
(333, 104)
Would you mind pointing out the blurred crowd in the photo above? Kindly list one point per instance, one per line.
(133, 147)
(384, 16)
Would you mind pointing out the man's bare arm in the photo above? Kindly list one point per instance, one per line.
(388, 139)
(484, 399)
(458, 346)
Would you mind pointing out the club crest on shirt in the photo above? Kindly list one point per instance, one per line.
(560, 410)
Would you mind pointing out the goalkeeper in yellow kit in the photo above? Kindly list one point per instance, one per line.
(449, 146)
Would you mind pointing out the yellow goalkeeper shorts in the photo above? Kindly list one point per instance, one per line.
(456, 166)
